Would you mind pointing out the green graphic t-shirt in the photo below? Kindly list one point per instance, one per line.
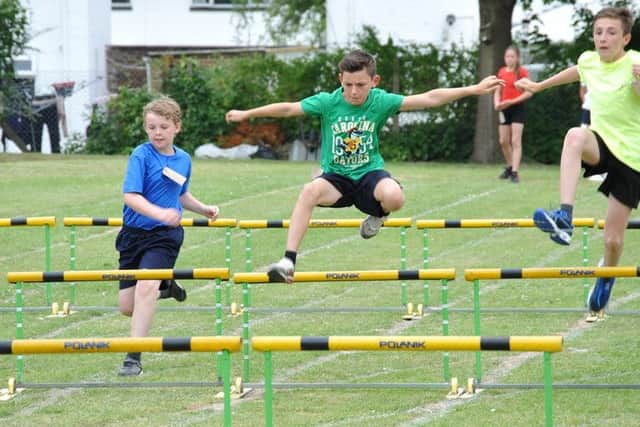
(350, 139)
(615, 107)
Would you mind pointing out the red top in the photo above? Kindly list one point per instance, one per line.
(509, 90)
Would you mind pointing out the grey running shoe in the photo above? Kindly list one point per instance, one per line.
(172, 289)
(371, 225)
(281, 271)
(130, 368)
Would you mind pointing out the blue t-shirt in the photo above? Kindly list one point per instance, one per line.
(144, 176)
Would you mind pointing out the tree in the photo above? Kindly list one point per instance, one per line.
(13, 39)
(495, 36)
(287, 18)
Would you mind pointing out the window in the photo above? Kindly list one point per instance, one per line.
(225, 4)
(121, 4)
(23, 66)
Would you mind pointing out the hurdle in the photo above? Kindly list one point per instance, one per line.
(46, 222)
(444, 275)
(402, 223)
(225, 345)
(73, 222)
(476, 274)
(633, 224)
(545, 344)
(21, 277)
(426, 224)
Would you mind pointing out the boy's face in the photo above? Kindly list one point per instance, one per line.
(356, 86)
(161, 132)
(609, 39)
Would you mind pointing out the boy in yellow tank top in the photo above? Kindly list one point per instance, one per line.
(611, 144)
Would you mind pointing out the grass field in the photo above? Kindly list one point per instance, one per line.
(595, 353)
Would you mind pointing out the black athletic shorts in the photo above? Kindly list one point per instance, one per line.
(358, 193)
(517, 113)
(622, 182)
(148, 249)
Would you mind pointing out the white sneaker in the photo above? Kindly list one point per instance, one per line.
(371, 225)
(281, 271)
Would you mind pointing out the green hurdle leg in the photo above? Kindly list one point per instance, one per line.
(247, 251)
(268, 390)
(227, 387)
(476, 325)
(403, 264)
(445, 325)
(227, 259)
(246, 298)
(585, 262)
(425, 263)
(548, 390)
(19, 331)
(72, 262)
(47, 260)
(219, 354)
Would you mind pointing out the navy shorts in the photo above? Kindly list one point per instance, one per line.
(622, 182)
(148, 249)
(514, 114)
(585, 117)
(359, 193)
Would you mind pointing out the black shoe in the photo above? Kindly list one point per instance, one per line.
(506, 173)
(514, 177)
(130, 368)
(172, 289)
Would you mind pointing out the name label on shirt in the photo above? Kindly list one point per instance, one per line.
(173, 175)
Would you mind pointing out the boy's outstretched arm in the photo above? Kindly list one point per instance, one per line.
(278, 109)
(568, 75)
(437, 97)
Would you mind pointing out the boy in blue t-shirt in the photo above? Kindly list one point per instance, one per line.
(156, 189)
(352, 168)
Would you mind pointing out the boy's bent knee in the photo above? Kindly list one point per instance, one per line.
(576, 136)
(392, 199)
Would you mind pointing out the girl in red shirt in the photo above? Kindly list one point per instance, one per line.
(509, 101)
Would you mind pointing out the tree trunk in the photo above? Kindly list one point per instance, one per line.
(495, 36)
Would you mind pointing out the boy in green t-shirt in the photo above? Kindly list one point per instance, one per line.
(352, 169)
(611, 144)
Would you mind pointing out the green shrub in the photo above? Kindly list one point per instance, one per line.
(117, 127)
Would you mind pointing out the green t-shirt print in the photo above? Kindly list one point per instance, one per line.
(350, 134)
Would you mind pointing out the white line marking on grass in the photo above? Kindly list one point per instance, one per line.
(261, 195)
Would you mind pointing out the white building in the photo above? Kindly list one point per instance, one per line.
(70, 38)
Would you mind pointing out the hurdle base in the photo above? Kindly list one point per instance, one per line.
(11, 391)
(413, 315)
(595, 316)
(457, 392)
(236, 309)
(238, 390)
(64, 312)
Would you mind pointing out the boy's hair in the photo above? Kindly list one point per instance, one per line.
(165, 107)
(357, 60)
(621, 13)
